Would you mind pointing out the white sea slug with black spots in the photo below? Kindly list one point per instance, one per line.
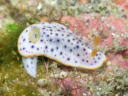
(56, 42)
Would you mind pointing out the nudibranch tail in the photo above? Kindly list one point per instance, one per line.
(30, 65)
(57, 42)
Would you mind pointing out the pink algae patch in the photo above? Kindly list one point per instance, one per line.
(118, 59)
(105, 26)
(114, 25)
(124, 42)
(122, 3)
(116, 22)
(75, 24)
(72, 87)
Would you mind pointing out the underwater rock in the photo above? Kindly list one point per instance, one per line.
(119, 59)
(62, 74)
(111, 29)
(72, 87)
(57, 42)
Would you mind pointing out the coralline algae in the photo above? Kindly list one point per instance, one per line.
(111, 29)
(56, 42)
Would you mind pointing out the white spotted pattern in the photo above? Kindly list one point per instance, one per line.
(61, 44)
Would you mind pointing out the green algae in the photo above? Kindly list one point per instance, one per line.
(15, 82)
(8, 43)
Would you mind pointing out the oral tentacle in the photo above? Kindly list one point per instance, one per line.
(30, 65)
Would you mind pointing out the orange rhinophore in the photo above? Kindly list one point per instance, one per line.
(97, 40)
(94, 52)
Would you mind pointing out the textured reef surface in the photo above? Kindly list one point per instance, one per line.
(102, 22)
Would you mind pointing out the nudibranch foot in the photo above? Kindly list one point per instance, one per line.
(30, 65)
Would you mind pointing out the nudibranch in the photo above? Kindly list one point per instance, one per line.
(56, 42)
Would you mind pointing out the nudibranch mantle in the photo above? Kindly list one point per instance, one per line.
(56, 42)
